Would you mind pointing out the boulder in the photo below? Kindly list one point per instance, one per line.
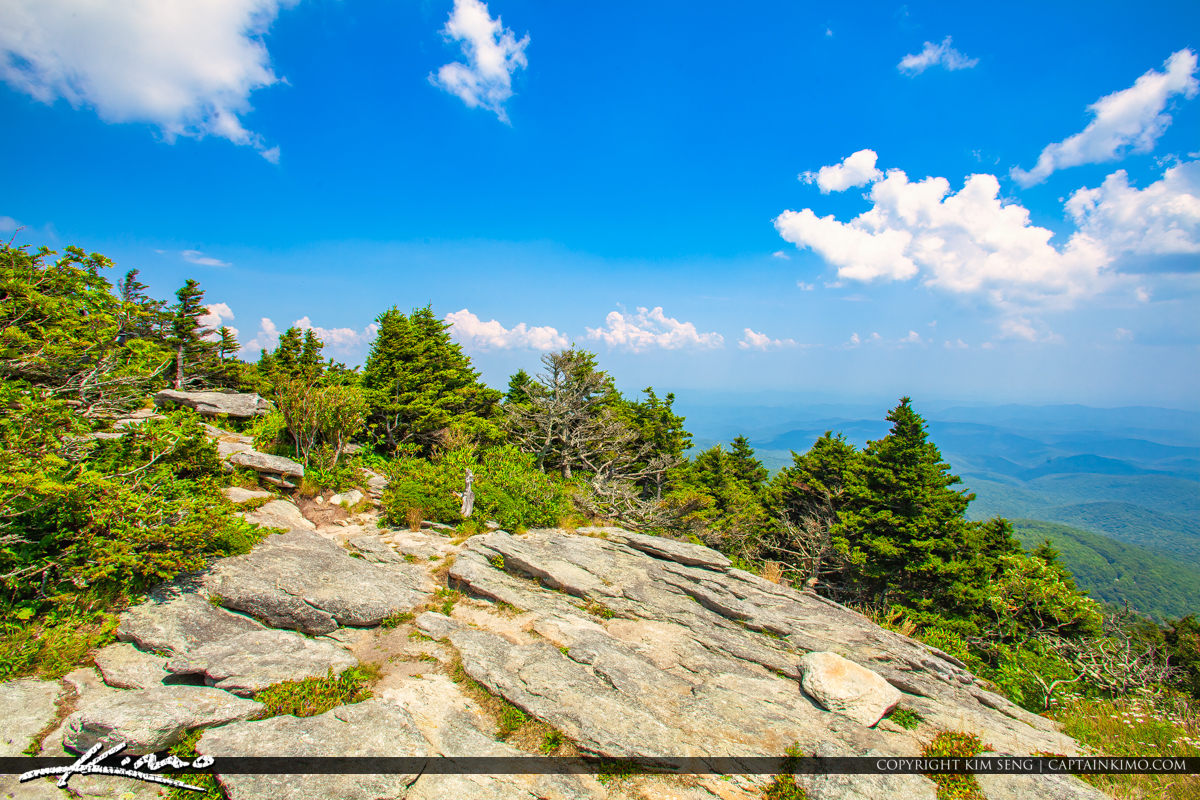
(261, 462)
(125, 667)
(29, 707)
(253, 661)
(279, 514)
(153, 719)
(846, 688)
(370, 728)
(237, 494)
(350, 498)
(303, 581)
(212, 404)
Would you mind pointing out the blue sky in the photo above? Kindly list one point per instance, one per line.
(833, 202)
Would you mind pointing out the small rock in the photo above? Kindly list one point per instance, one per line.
(846, 688)
(125, 667)
(352, 497)
(29, 706)
(335, 499)
(253, 661)
(279, 514)
(153, 719)
(237, 494)
(242, 406)
(319, 500)
(436, 626)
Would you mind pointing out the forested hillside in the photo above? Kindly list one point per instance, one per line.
(90, 520)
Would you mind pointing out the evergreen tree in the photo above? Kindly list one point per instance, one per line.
(187, 336)
(744, 465)
(661, 437)
(308, 362)
(519, 387)
(228, 367)
(418, 383)
(902, 527)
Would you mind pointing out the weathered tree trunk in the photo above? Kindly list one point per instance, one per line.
(179, 368)
(468, 496)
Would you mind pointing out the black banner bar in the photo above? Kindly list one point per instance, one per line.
(750, 765)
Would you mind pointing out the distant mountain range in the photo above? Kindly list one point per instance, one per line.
(1117, 490)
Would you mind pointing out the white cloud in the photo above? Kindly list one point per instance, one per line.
(856, 169)
(651, 328)
(962, 241)
(855, 340)
(492, 52)
(912, 338)
(935, 55)
(9, 225)
(760, 341)
(805, 287)
(1128, 120)
(196, 257)
(1162, 219)
(776, 254)
(1142, 294)
(266, 339)
(1025, 329)
(186, 66)
(339, 340)
(1122, 334)
(218, 314)
(470, 329)
(957, 344)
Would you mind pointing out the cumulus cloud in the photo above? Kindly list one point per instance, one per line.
(776, 254)
(957, 344)
(185, 66)
(935, 55)
(492, 52)
(1162, 219)
(471, 330)
(218, 314)
(265, 339)
(856, 169)
(912, 338)
(752, 340)
(339, 340)
(651, 328)
(1128, 120)
(1025, 329)
(196, 257)
(961, 241)
(856, 340)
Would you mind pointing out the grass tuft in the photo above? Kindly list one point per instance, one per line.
(905, 717)
(313, 696)
(955, 745)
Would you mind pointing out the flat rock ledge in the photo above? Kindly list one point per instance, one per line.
(153, 719)
(253, 661)
(370, 728)
(846, 688)
(279, 514)
(29, 706)
(125, 667)
(303, 581)
(212, 404)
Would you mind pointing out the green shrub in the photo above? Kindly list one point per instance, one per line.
(270, 434)
(949, 744)
(905, 717)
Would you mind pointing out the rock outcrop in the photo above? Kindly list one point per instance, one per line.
(214, 404)
(625, 645)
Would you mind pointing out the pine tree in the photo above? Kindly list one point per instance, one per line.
(519, 387)
(902, 527)
(228, 367)
(187, 337)
(661, 435)
(418, 383)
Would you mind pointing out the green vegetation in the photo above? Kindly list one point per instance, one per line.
(784, 786)
(1152, 582)
(905, 717)
(186, 749)
(955, 745)
(313, 696)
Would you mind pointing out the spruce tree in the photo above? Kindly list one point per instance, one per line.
(902, 527)
(744, 465)
(519, 387)
(418, 383)
(186, 334)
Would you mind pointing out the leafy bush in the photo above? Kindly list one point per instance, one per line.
(508, 488)
(270, 433)
(955, 745)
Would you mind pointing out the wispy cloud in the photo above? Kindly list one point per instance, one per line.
(186, 66)
(492, 52)
(197, 257)
(340, 341)
(935, 55)
(1131, 120)
(651, 328)
(471, 330)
